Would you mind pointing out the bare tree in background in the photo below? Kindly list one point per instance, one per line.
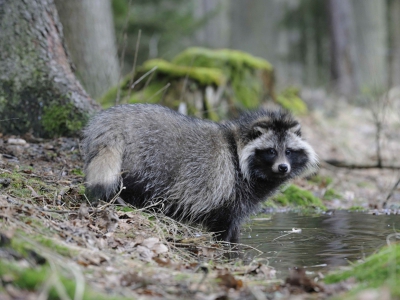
(343, 49)
(90, 37)
(38, 89)
(216, 32)
(371, 40)
(394, 42)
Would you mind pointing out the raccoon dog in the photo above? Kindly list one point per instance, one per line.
(196, 171)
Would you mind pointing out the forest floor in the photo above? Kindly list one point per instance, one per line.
(55, 245)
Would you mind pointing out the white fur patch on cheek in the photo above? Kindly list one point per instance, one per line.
(297, 143)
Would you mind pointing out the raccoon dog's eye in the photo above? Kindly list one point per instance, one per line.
(271, 151)
(288, 151)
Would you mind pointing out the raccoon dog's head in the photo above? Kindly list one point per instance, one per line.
(272, 147)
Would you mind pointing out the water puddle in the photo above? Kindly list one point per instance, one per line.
(318, 243)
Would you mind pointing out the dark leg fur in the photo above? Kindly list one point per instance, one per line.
(230, 234)
(225, 225)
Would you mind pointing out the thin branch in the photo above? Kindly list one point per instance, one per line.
(391, 193)
(186, 79)
(134, 63)
(120, 74)
(143, 76)
(343, 164)
(146, 84)
(159, 91)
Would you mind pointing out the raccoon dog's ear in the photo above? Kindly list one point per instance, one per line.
(259, 129)
(296, 129)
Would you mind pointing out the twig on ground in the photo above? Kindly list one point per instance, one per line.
(343, 164)
(391, 193)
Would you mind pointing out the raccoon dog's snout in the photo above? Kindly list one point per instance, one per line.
(283, 168)
(193, 170)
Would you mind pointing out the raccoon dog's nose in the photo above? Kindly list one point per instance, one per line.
(283, 168)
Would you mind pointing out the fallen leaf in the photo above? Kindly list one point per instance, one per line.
(229, 281)
(162, 261)
(298, 278)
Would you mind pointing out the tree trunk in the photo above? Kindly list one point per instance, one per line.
(343, 52)
(90, 37)
(371, 43)
(394, 41)
(38, 89)
(256, 27)
(215, 33)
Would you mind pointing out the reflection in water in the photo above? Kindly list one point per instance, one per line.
(325, 241)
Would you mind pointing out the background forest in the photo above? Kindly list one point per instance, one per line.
(345, 46)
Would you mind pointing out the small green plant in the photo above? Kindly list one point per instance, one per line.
(292, 195)
(380, 269)
(331, 194)
(290, 100)
(357, 208)
(77, 172)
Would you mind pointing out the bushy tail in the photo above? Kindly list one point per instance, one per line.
(103, 171)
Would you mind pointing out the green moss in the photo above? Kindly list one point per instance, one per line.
(357, 208)
(62, 120)
(165, 73)
(54, 246)
(249, 76)
(269, 203)
(125, 208)
(203, 75)
(33, 278)
(382, 268)
(81, 189)
(331, 194)
(294, 196)
(23, 247)
(290, 100)
(39, 107)
(223, 59)
(19, 183)
(77, 172)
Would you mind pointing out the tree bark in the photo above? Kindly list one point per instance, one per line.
(394, 42)
(343, 51)
(216, 32)
(90, 37)
(371, 43)
(38, 89)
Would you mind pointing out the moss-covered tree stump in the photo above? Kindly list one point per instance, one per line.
(212, 84)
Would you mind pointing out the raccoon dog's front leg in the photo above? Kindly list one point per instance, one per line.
(226, 232)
